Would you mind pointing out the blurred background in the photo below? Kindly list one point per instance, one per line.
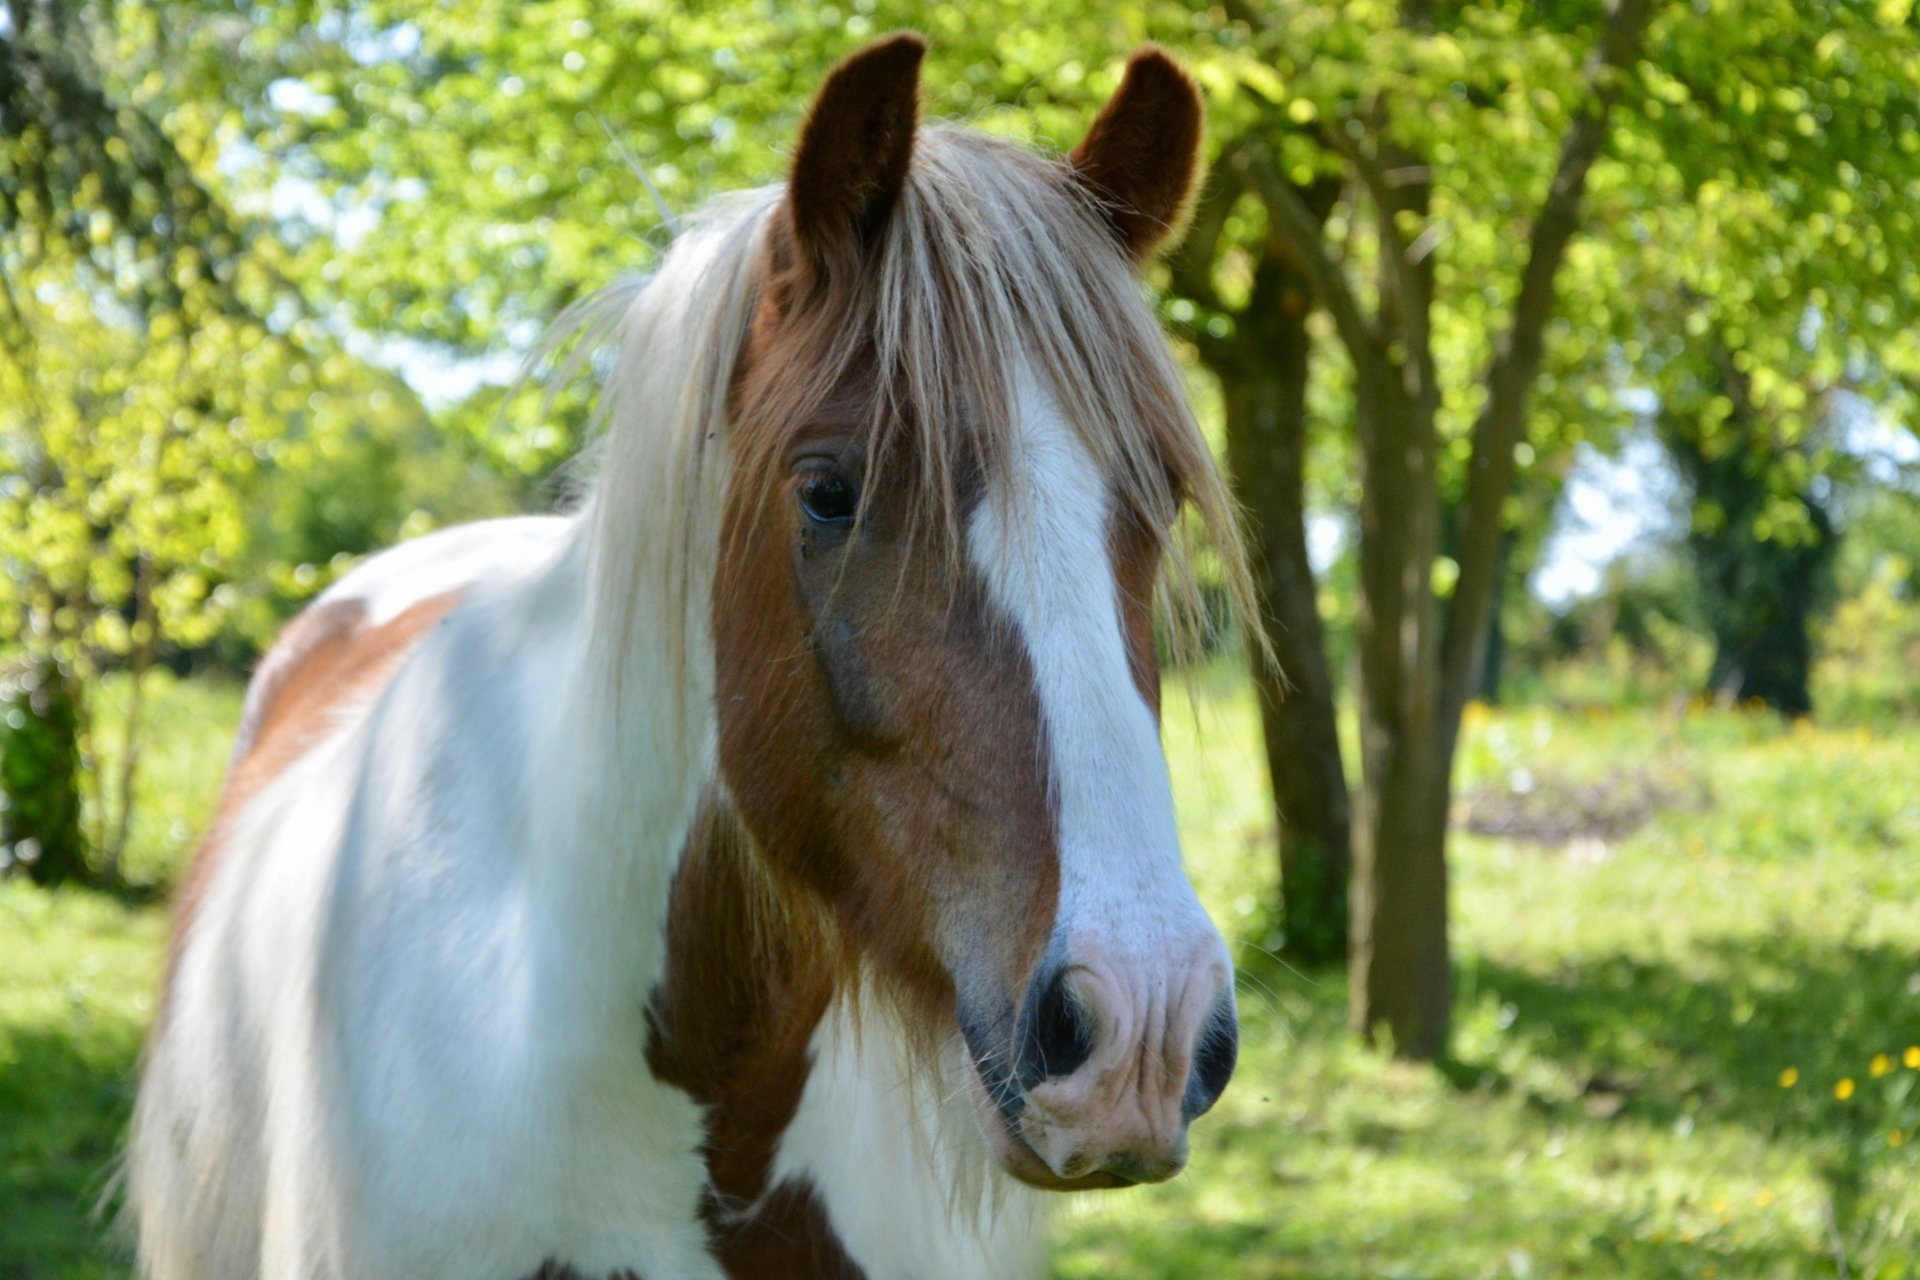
(1564, 356)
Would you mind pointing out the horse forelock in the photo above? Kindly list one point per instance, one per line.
(993, 259)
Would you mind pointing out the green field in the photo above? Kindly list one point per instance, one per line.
(1683, 1044)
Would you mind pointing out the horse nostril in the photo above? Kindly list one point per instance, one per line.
(1059, 1037)
(1213, 1059)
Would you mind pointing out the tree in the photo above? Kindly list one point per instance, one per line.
(1790, 156)
(40, 775)
(153, 356)
(512, 172)
(1415, 678)
(1762, 535)
(1258, 345)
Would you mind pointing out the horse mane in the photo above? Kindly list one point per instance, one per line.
(994, 258)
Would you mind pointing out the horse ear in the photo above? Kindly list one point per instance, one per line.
(1141, 158)
(854, 149)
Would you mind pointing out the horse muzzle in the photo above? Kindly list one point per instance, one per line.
(1110, 1064)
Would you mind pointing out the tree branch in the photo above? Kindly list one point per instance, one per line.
(1395, 252)
(1517, 356)
(1289, 216)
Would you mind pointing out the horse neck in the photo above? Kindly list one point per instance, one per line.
(746, 981)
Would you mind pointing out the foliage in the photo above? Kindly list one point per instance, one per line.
(193, 450)
(1644, 630)
(1870, 643)
(1762, 557)
(1792, 181)
(185, 449)
(39, 765)
(141, 375)
(140, 370)
(1614, 1105)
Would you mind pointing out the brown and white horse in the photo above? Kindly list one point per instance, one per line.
(771, 869)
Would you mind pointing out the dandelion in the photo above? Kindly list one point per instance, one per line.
(1763, 1199)
(1790, 1077)
(1844, 1089)
(1895, 1138)
(1912, 1056)
(1880, 1065)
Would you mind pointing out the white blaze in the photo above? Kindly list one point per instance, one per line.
(1045, 555)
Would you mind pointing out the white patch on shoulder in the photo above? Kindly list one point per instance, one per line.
(891, 1149)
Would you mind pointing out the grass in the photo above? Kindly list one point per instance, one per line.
(1627, 1014)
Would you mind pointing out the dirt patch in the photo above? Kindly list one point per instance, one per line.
(1542, 807)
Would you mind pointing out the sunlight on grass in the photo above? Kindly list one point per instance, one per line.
(77, 977)
(1628, 1011)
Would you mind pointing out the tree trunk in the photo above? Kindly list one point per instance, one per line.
(40, 775)
(1265, 391)
(1764, 653)
(1402, 987)
(146, 643)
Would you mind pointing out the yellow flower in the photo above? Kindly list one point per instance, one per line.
(1880, 1065)
(1895, 1138)
(1912, 1056)
(1763, 1199)
(1790, 1077)
(1844, 1089)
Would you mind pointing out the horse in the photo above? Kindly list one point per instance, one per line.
(770, 867)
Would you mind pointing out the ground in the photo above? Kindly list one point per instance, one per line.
(1688, 1037)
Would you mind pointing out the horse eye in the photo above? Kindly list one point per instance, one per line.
(827, 496)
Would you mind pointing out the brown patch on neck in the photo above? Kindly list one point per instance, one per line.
(747, 981)
(327, 660)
